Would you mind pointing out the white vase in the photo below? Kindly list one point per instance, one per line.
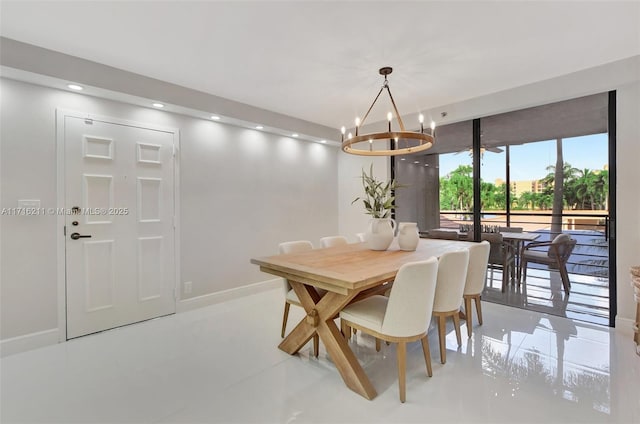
(380, 233)
(408, 237)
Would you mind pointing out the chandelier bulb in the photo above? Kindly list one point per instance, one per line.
(421, 118)
(342, 130)
(389, 116)
(349, 136)
(433, 125)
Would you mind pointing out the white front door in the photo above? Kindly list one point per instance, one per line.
(119, 188)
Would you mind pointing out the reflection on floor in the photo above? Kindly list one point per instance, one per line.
(221, 364)
(588, 300)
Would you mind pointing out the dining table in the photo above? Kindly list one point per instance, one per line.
(348, 273)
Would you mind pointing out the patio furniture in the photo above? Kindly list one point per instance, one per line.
(501, 254)
(557, 255)
(442, 234)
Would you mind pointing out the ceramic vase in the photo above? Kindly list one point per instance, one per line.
(380, 233)
(408, 237)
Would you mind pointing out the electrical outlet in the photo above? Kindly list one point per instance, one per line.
(188, 287)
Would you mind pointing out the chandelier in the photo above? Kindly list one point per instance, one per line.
(401, 142)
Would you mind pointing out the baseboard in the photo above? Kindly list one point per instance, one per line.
(624, 326)
(225, 295)
(28, 342)
(50, 337)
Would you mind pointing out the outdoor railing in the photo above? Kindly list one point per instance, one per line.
(589, 228)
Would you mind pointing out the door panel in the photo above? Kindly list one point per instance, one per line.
(121, 179)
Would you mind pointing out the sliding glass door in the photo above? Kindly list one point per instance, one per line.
(544, 170)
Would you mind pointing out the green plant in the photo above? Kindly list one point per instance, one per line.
(379, 195)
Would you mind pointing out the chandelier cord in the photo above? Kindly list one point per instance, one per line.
(395, 108)
(371, 107)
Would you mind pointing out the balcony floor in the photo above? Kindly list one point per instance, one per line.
(588, 300)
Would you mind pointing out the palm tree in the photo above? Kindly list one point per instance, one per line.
(585, 186)
(556, 217)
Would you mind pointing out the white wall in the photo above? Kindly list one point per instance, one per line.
(623, 76)
(242, 192)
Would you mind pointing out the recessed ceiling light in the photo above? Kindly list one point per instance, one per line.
(294, 135)
(75, 87)
(416, 161)
(259, 127)
(403, 159)
(323, 141)
(160, 105)
(215, 117)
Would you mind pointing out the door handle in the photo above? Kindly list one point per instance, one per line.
(76, 236)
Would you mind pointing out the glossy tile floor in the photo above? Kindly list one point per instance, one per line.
(588, 299)
(221, 364)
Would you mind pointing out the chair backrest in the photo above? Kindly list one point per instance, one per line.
(510, 229)
(563, 244)
(442, 234)
(477, 270)
(362, 237)
(496, 251)
(293, 247)
(332, 241)
(452, 275)
(411, 299)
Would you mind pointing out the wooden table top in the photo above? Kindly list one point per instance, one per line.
(353, 266)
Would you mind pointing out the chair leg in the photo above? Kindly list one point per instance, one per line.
(467, 313)
(478, 300)
(316, 345)
(377, 344)
(492, 276)
(402, 369)
(456, 325)
(505, 271)
(285, 317)
(441, 335)
(564, 275)
(347, 331)
(427, 355)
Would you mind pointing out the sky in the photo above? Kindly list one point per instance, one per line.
(529, 161)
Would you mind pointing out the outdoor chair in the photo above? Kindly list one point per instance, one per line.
(557, 256)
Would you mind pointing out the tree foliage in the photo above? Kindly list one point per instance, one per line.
(583, 189)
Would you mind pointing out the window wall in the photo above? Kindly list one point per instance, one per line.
(543, 169)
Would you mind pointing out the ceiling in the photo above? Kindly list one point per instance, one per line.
(319, 61)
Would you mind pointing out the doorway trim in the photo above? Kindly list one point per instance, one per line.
(61, 113)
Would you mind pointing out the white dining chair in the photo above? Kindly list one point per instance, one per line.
(452, 275)
(475, 281)
(402, 317)
(290, 296)
(332, 241)
(362, 237)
